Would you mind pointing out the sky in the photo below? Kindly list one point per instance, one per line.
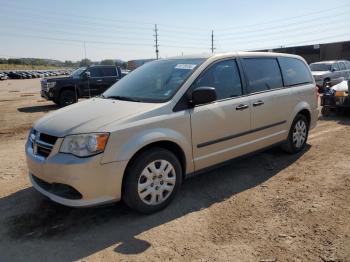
(113, 29)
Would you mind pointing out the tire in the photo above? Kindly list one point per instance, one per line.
(300, 131)
(67, 97)
(145, 183)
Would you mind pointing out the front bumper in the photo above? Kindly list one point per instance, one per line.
(97, 183)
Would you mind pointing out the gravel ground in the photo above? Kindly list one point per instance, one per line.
(267, 207)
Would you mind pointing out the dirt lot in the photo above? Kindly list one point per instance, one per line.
(267, 207)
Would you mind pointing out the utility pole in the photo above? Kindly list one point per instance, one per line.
(156, 40)
(212, 41)
(84, 50)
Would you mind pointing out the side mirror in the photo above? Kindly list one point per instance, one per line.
(86, 75)
(202, 95)
(333, 69)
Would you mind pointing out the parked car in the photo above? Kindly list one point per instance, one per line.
(330, 71)
(15, 75)
(83, 82)
(3, 76)
(169, 119)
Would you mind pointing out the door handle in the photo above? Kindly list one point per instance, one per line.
(258, 103)
(99, 80)
(242, 107)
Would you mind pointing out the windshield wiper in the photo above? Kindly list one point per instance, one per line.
(124, 98)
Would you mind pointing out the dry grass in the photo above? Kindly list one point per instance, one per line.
(27, 67)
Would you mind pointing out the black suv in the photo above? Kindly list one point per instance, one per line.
(83, 82)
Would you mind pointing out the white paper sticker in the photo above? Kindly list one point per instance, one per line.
(185, 66)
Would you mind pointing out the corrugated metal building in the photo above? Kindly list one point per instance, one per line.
(318, 52)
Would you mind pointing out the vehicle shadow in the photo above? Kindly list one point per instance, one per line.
(41, 230)
(36, 109)
(340, 119)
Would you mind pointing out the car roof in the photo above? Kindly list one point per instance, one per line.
(330, 62)
(232, 54)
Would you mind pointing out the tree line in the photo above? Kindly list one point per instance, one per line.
(67, 63)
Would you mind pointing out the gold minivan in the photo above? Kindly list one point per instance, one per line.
(166, 120)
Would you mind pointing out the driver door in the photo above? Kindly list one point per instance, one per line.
(218, 129)
(92, 87)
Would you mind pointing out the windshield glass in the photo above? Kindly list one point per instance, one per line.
(154, 82)
(320, 67)
(76, 73)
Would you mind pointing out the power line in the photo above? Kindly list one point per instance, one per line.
(298, 29)
(289, 18)
(268, 37)
(285, 25)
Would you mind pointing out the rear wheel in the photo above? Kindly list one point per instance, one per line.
(67, 97)
(152, 180)
(298, 135)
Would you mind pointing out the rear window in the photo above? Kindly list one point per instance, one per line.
(294, 71)
(262, 73)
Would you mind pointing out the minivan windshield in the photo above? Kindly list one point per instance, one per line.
(320, 67)
(76, 73)
(153, 82)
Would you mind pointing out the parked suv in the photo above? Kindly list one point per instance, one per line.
(326, 72)
(83, 82)
(166, 120)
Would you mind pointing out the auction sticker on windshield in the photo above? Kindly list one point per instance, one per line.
(185, 66)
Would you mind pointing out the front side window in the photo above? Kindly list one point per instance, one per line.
(294, 71)
(76, 73)
(154, 82)
(224, 77)
(335, 67)
(95, 72)
(342, 66)
(262, 73)
(320, 67)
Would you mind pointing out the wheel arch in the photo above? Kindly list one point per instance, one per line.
(165, 144)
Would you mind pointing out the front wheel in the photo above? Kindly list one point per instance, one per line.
(67, 97)
(152, 180)
(297, 136)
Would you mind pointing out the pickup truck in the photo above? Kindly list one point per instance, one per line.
(85, 82)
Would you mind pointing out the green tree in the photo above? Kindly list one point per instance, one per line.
(107, 62)
(85, 62)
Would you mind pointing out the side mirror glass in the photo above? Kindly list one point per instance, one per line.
(202, 95)
(333, 69)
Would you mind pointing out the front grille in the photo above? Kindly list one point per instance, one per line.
(48, 139)
(59, 189)
(42, 144)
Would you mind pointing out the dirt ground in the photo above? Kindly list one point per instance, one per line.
(267, 207)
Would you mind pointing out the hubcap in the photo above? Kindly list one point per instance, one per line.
(299, 134)
(157, 182)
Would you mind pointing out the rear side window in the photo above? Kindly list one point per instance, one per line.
(294, 71)
(262, 73)
(109, 71)
(224, 76)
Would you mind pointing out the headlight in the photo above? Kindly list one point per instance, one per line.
(50, 84)
(84, 144)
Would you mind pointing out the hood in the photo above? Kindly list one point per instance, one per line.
(56, 79)
(90, 116)
(319, 73)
